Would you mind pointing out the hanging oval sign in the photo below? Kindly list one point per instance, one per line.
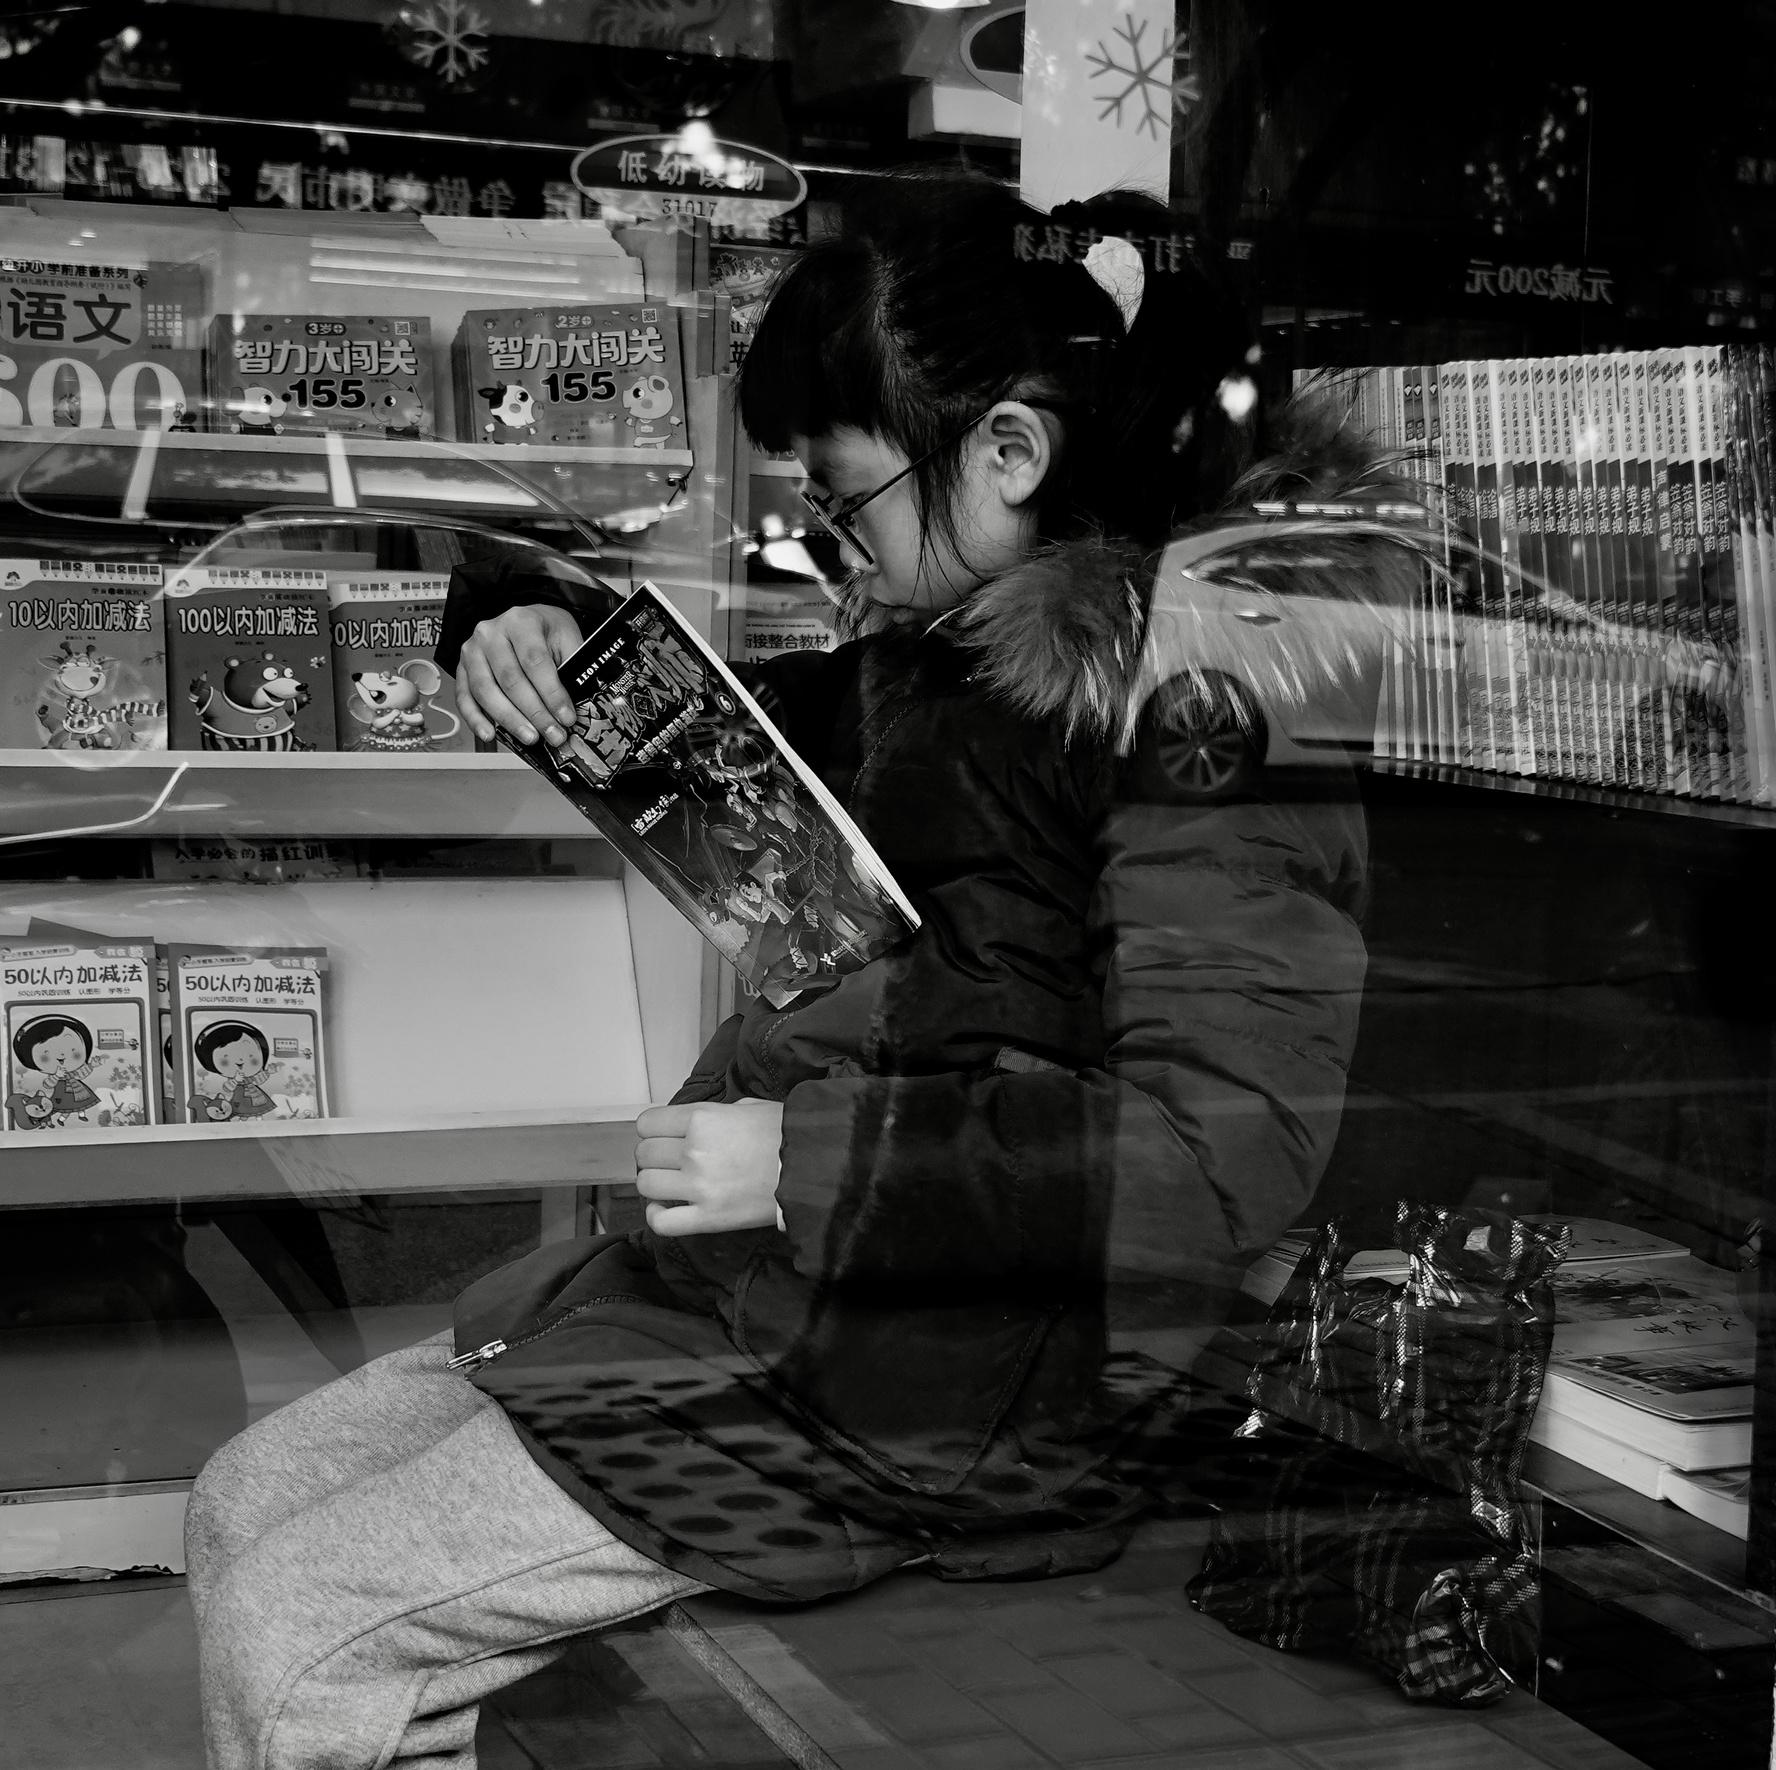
(661, 176)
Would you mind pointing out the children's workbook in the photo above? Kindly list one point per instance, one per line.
(276, 374)
(607, 375)
(82, 655)
(249, 1033)
(76, 1013)
(248, 661)
(389, 695)
(680, 768)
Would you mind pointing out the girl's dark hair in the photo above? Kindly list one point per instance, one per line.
(40, 1031)
(227, 1032)
(944, 293)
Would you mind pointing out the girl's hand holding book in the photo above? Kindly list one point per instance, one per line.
(507, 676)
(709, 1167)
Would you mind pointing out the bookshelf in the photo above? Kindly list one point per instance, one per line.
(1661, 1529)
(1747, 817)
(145, 475)
(50, 794)
(324, 1159)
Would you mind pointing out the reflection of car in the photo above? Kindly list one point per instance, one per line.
(1260, 666)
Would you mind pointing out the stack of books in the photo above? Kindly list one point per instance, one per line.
(1605, 614)
(1650, 1379)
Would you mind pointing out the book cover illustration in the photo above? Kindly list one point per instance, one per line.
(305, 373)
(248, 1033)
(608, 375)
(76, 1021)
(390, 696)
(248, 664)
(1656, 1301)
(82, 656)
(100, 346)
(690, 781)
(1700, 1381)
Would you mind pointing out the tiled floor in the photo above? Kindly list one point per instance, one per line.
(1111, 1670)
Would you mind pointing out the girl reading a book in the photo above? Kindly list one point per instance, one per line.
(929, 1252)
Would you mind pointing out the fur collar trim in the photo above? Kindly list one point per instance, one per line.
(1090, 631)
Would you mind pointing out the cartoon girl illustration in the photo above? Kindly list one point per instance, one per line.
(57, 1048)
(234, 1053)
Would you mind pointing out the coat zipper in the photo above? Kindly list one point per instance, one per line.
(470, 1362)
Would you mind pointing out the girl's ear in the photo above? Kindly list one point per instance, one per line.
(1020, 449)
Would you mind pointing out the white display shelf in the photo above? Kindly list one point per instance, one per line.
(141, 475)
(369, 448)
(144, 793)
(319, 1159)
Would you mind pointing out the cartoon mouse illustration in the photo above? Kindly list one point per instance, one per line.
(257, 411)
(234, 1053)
(58, 1049)
(510, 408)
(254, 709)
(647, 401)
(401, 412)
(394, 704)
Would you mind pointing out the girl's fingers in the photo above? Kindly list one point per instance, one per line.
(665, 1121)
(660, 1152)
(538, 663)
(514, 679)
(491, 700)
(474, 715)
(675, 1219)
(666, 1183)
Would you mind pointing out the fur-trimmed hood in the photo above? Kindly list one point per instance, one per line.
(1277, 591)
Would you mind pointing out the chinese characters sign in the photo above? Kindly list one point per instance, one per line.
(664, 176)
(1548, 282)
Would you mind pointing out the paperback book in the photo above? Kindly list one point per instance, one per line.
(249, 1032)
(389, 696)
(76, 1013)
(680, 768)
(304, 373)
(248, 666)
(82, 655)
(609, 376)
(100, 346)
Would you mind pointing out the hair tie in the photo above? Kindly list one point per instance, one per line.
(1114, 264)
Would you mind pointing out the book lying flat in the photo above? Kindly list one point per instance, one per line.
(1689, 1406)
(1594, 1241)
(1585, 1445)
(1721, 1497)
(1611, 1305)
(680, 768)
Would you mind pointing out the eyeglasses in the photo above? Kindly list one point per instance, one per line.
(834, 515)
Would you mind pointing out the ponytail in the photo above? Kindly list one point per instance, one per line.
(944, 294)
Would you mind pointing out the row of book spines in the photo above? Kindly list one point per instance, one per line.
(1561, 476)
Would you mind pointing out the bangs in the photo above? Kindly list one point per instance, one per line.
(819, 358)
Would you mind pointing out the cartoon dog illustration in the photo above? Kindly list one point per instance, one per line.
(647, 401)
(510, 409)
(394, 704)
(254, 709)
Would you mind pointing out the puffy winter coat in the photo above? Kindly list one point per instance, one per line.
(1025, 1157)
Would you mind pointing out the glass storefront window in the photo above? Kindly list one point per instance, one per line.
(1175, 778)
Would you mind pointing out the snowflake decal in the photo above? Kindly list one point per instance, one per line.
(1145, 76)
(449, 39)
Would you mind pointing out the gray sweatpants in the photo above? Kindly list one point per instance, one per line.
(369, 1562)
